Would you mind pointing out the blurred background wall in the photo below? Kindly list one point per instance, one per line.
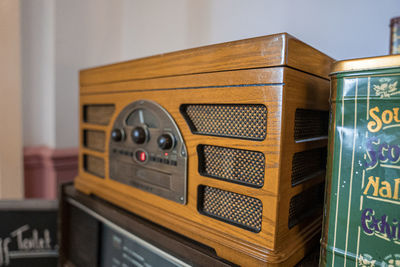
(11, 182)
(61, 37)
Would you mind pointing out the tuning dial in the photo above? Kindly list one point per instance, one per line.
(166, 141)
(117, 135)
(139, 135)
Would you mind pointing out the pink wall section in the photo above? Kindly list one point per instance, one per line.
(46, 168)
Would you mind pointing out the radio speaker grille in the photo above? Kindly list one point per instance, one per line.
(245, 121)
(310, 124)
(98, 113)
(233, 208)
(306, 204)
(234, 165)
(95, 140)
(308, 164)
(94, 165)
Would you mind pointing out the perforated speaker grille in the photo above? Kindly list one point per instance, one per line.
(94, 165)
(94, 139)
(234, 165)
(233, 208)
(227, 120)
(306, 204)
(308, 164)
(98, 113)
(310, 124)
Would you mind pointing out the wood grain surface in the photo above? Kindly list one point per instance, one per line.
(253, 71)
(260, 52)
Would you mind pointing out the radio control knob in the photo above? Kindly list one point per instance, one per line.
(139, 135)
(117, 135)
(166, 141)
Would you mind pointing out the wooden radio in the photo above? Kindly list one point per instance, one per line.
(224, 144)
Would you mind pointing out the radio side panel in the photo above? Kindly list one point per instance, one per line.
(303, 158)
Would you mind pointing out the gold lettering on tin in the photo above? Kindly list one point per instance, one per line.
(396, 188)
(377, 123)
(382, 189)
(374, 184)
(396, 114)
(385, 187)
(387, 117)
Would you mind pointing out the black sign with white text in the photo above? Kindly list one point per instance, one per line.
(28, 233)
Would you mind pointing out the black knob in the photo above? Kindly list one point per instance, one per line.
(117, 135)
(165, 141)
(139, 135)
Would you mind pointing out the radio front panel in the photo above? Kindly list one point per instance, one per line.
(228, 156)
(231, 180)
(146, 151)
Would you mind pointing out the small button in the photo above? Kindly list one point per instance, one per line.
(174, 162)
(166, 161)
(152, 158)
(159, 160)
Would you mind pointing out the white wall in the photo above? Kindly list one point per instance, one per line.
(342, 29)
(88, 33)
(96, 32)
(152, 27)
(37, 36)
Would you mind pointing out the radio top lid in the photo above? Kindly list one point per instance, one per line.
(267, 51)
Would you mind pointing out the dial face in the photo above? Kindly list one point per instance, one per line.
(142, 116)
(152, 156)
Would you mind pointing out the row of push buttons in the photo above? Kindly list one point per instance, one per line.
(123, 152)
(163, 160)
(152, 158)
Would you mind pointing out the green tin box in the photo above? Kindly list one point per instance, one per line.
(362, 196)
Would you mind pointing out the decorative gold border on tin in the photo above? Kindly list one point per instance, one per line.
(338, 185)
(351, 173)
(363, 172)
(366, 64)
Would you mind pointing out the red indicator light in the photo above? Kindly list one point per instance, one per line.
(165, 154)
(141, 156)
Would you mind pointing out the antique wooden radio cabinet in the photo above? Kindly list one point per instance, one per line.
(223, 144)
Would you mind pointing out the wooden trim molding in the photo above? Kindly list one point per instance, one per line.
(45, 168)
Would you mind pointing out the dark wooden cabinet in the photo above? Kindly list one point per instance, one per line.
(87, 223)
